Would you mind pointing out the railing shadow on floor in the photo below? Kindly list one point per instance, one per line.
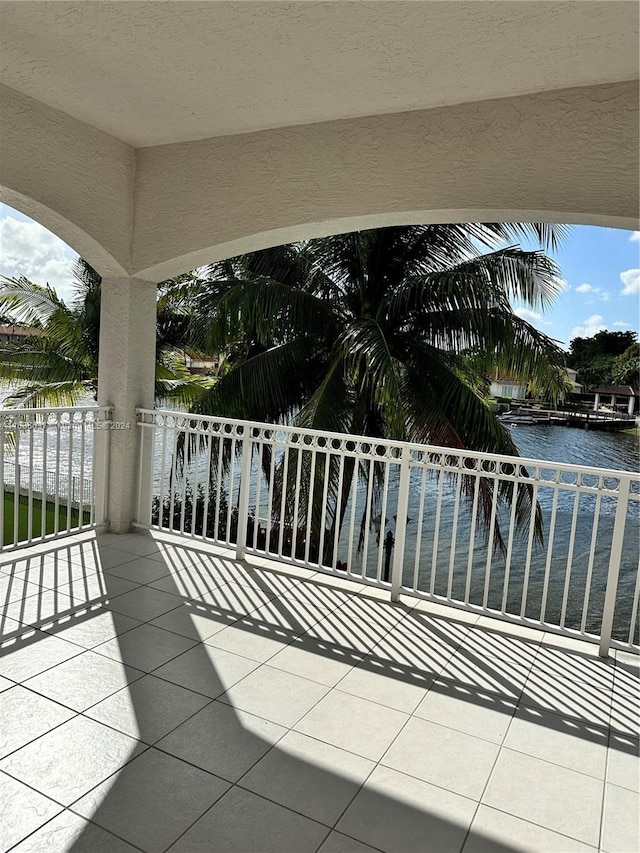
(484, 675)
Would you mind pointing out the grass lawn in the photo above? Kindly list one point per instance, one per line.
(50, 514)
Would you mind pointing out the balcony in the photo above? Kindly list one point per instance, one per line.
(224, 681)
(158, 694)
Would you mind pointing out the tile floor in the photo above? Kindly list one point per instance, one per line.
(159, 696)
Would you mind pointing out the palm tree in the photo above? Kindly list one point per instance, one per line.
(58, 363)
(388, 333)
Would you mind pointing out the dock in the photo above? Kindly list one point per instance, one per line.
(582, 419)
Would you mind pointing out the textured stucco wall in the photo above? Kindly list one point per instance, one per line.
(74, 179)
(564, 156)
(569, 156)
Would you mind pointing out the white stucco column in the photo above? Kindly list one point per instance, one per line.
(632, 405)
(596, 404)
(126, 374)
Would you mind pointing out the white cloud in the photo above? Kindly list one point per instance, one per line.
(528, 315)
(635, 236)
(586, 288)
(28, 249)
(591, 326)
(631, 281)
(561, 284)
(621, 324)
(605, 296)
(532, 317)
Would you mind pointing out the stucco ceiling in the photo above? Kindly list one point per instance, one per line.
(151, 73)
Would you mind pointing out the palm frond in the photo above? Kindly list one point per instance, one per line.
(266, 387)
(29, 303)
(42, 394)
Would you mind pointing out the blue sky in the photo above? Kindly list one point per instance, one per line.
(600, 271)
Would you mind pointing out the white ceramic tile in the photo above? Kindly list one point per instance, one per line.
(273, 582)
(625, 700)
(25, 716)
(143, 603)
(148, 709)
(354, 724)
(206, 670)
(306, 657)
(371, 608)
(343, 583)
(22, 659)
(567, 665)
(395, 812)
(191, 620)
(13, 633)
(553, 642)
(138, 569)
(15, 587)
(145, 647)
(491, 662)
(381, 683)
(421, 643)
(309, 776)
(629, 661)
(340, 636)
(621, 820)
(70, 832)
(83, 681)
(623, 763)
(22, 810)
(54, 575)
(89, 630)
(275, 695)
(627, 679)
(70, 760)
(107, 558)
(234, 599)
(140, 544)
(552, 796)
(42, 610)
(339, 843)
(318, 596)
(152, 800)
(493, 831)
(260, 635)
(241, 822)
(96, 587)
(509, 629)
(586, 703)
(445, 757)
(625, 714)
(486, 717)
(552, 738)
(35, 568)
(252, 561)
(189, 584)
(445, 613)
(223, 740)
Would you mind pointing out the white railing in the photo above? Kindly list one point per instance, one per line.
(44, 482)
(438, 523)
(47, 461)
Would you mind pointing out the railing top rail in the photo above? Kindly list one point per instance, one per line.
(399, 445)
(52, 410)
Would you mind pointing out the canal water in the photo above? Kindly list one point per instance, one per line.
(443, 557)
